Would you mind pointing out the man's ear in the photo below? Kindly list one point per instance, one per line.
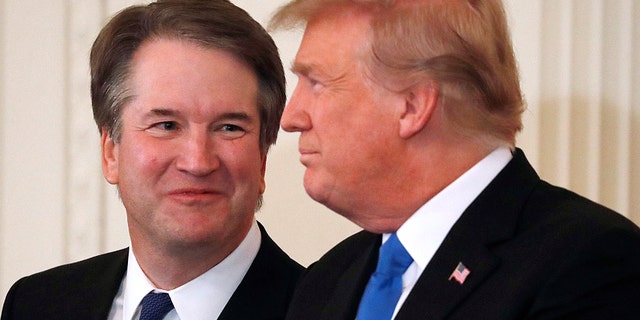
(263, 169)
(109, 157)
(419, 103)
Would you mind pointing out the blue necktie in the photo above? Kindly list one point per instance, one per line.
(155, 306)
(385, 285)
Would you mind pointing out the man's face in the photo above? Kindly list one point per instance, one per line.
(345, 120)
(188, 165)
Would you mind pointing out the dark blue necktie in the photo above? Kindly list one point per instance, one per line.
(385, 285)
(155, 306)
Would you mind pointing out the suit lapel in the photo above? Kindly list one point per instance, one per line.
(436, 293)
(104, 286)
(491, 218)
(110, 282)
(266, 289)
(345, 300)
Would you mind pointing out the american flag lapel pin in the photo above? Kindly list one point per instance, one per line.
(460, 273)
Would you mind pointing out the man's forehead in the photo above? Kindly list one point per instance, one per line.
(341, 34)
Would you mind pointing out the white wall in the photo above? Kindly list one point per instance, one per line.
(580, 65)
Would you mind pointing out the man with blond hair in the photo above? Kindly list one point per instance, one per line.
(408, 113)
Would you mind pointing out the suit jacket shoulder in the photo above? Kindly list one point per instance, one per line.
(80, 290)
(266, 289)
(534, 251)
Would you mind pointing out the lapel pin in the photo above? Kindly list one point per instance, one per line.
(460, 273)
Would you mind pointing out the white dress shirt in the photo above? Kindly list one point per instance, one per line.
(423, 233)
(201, 298)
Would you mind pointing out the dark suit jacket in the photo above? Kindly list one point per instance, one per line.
(85, 290)
(535, 251)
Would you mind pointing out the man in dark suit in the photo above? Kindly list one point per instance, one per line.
(187, 95)
(407, 126)
(86, 289)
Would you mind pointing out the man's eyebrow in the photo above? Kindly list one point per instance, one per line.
(235, 116)
(299, 68)
(313, 70)
(307, 69)
(162, 112)
(226, 116)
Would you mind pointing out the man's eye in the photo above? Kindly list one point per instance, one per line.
(232, 130)
(315, 85)
(167, 125)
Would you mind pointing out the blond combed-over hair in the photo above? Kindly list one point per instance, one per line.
(464, 46)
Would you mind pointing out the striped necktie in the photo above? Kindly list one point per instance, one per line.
(155, 306)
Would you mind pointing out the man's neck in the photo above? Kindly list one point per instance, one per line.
(171, 266)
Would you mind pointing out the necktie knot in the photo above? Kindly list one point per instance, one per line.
(155, 306)
(394, 258)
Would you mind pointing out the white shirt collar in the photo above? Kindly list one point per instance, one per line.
(426, 229)
(203, 297)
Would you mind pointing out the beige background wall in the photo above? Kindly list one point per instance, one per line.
(580, 65)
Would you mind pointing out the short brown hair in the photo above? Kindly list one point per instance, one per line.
(462, 45)
(211, 23)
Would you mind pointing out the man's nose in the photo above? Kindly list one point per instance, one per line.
(295, 117)
(198, 154)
